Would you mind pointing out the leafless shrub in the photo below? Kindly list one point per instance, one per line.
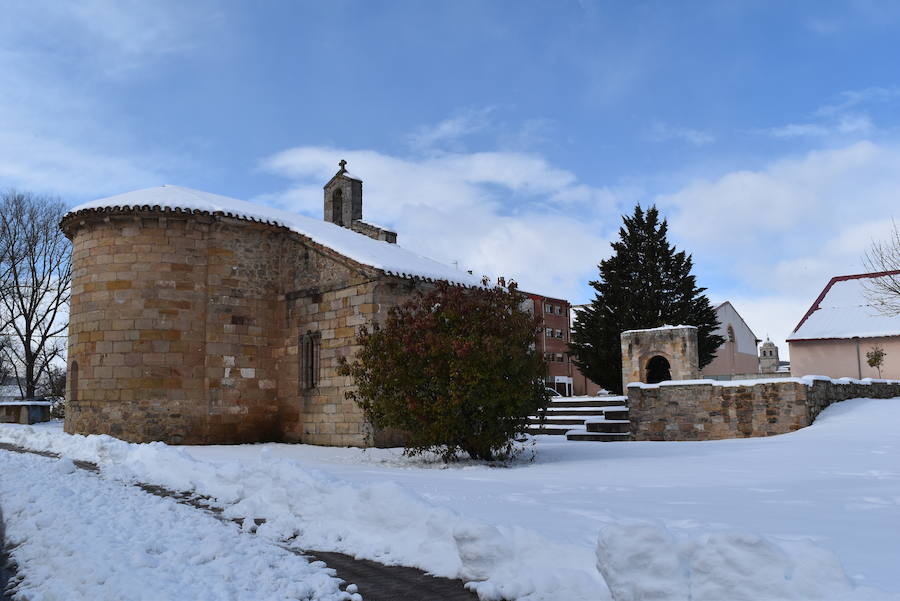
(883, 257)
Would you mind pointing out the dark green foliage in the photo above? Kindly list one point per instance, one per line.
(454, 368)
(644, 284)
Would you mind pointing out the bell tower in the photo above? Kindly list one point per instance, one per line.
(768, 357)
(343, 198)
(343, 206)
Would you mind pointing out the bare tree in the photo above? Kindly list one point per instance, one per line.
(35, 278)
(884, 257)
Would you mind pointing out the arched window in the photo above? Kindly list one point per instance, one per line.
(337, 207)
(73, 382)
(309, 360)
(658, 370)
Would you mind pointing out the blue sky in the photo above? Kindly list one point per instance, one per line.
(506, 136)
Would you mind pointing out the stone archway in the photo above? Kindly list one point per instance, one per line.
(657, 370)
(659, 354)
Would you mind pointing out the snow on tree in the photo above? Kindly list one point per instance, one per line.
(646, 283)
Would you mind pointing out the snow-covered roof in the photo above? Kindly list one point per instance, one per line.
(842, 311)
(390, 258)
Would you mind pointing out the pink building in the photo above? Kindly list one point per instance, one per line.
(839, 329)
(738, 355)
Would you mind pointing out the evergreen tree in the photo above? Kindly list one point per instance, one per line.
(644, 284)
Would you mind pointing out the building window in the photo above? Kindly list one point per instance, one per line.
(559, 357)
(558, 310)
(548, 308)
(559, 333)
(309, 360)
(549, 332)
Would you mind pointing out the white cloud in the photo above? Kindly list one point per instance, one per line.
(768, 239)
(58, 133)
(105, 38)
(851, 98)
(496, 213)
(783, 231)
(450, 131)
(662, 132)
(843, 126)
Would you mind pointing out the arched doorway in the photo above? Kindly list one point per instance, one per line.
(658, 370)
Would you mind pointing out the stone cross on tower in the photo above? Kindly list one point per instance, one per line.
(343, 165)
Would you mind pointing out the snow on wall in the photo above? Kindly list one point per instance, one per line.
(390, 258)
(660, 328)
(808, 380)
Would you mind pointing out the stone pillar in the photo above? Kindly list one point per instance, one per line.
(672, 345)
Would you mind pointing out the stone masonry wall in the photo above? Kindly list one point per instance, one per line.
(137, 329)
(185, 328)
(708, 411)
(323, 415)
(170, 321)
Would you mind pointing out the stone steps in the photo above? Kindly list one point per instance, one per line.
(608, 426)
(588, 402)
(612, 426)
(563, 415)
(584, 435)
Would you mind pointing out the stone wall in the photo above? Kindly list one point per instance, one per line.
(185, 328)
(708, 410)
(323, 415)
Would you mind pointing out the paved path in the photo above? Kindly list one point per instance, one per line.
(6, 573)
(376, 582)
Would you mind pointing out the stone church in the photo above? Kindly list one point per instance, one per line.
(202, 319)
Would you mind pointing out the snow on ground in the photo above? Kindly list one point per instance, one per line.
(76, 536)
(809, 515)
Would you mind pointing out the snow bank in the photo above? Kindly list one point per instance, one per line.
(75, 536)
(309, 509)
(531, 532)
(643, 560)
